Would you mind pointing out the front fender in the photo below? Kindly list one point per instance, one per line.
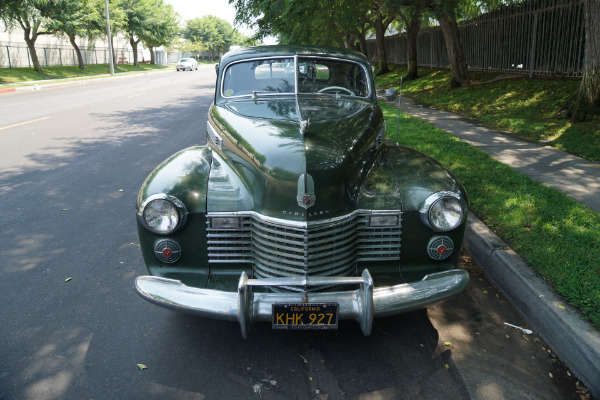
(183, 175)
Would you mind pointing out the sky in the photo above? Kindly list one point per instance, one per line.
(190, 9)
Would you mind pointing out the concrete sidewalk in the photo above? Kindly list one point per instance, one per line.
(574, 176)
(574, 340)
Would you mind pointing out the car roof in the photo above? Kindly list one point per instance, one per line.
(290, 50)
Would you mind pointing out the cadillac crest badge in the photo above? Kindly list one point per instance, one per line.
(306, 191)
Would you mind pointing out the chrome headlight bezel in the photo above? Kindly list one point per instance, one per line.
(174, 208)
(451, 205)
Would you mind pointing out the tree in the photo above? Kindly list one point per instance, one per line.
(161, 29)
(587, 98)
(27, 15)
(117, 21)
(216, 33)
(445, 11)
(411, 15)
(383, 15)
(74, 18)
(137, 13)
(328, 23)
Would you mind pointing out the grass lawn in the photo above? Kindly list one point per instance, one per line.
(528, 107)
(556, 235)
(24, 75)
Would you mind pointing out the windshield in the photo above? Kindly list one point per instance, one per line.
(278, 76)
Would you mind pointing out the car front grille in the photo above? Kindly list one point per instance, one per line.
(329, 248)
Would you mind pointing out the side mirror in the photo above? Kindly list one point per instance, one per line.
(391, 94)
(217, 68)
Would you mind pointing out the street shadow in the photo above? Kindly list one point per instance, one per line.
(401, 359)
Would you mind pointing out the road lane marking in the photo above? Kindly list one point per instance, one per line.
(25, 123)
(134, 95)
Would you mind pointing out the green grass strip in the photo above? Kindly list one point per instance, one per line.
(528, 107)
(557, 236)
(24, 75)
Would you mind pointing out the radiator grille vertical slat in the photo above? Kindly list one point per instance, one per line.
(331, 248)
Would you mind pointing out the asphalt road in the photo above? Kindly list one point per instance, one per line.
(72, 159)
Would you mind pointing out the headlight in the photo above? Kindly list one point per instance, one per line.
(163, 214)
(443, 211)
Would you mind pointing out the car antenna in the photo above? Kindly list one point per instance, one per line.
(398, 126)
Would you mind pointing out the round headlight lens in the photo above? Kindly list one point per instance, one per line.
(443, 211)
(446, 214)
(161, 216)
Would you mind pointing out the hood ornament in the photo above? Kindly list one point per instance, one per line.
(304, 124)
(306, 191)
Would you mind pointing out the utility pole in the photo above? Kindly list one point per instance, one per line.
(110, 49)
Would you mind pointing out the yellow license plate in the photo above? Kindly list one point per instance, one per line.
(305, 316)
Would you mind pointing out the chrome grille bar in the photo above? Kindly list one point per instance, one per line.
(278, 250)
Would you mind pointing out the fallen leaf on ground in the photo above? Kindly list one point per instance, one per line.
(68, 279)
(142, 366)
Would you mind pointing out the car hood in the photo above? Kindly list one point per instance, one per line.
(289, 171)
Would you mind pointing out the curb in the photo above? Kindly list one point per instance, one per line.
(573, 339)
(9, 90)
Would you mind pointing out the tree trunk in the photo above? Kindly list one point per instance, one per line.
(380, 28)
(348, 41)
(134, 45)
(587, 98)
(27, 31)
(115, 58)
(77, 51)
(456, 55)
(362, 42)
(413, 24)
(152, 59)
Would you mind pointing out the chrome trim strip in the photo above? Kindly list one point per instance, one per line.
(301, 224)
(246, 307)
(213, 135)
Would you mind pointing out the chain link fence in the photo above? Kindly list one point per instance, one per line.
(17, 55)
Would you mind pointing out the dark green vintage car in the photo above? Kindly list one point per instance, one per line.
(297, 212)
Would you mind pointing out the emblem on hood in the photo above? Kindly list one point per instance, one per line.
(306, 191)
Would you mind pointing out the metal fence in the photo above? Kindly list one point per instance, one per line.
(541, 37)
(18, 55)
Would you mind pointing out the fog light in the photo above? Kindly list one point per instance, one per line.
(167, 251)
(383, 220)
(225, 223)
(440, 247)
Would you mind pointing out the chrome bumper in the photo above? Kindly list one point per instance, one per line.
(246, 307)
